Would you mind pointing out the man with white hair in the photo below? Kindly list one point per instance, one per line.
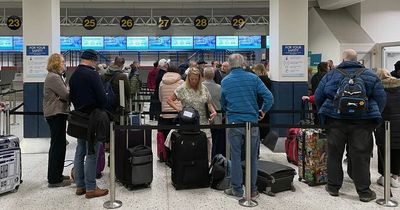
(239, 91)
(350, 126)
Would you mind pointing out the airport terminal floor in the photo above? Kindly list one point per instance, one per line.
(35, 194)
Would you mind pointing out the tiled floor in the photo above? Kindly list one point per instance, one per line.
(34, 193)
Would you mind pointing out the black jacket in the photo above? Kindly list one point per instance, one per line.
(315, 80)
(390, 113)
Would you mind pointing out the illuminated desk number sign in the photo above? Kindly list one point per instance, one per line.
(14, 22)
(238, 22)
(164, 22)
(200, 22)
(126, 23)
(89, 22)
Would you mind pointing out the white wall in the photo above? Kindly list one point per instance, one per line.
(321, 39)
(380, 19)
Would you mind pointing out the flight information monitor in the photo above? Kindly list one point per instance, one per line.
(93, 42)
(70, 42)
(115, 42)
(6, 43)
(204, 42)
(159, 42)
(18, 42)
(137, 43)
(227, 42)
(182, 42)
(250, 42)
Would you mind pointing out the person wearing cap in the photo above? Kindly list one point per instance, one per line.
(163, 65)
(87, 94)
(396, 71)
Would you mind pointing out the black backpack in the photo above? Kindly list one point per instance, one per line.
(220, 172)
(351, 96)
(189, 116)
(111, 97)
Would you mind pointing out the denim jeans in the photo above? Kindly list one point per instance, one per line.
(85, 172)
(237, 139)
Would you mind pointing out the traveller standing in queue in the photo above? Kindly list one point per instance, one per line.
(55, 108)
(87, 93)
(239, 91)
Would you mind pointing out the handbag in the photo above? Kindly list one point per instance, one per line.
(78, 124)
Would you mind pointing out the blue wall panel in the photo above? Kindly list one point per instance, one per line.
(43, 127)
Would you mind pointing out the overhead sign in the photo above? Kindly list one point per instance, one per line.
(293, 61)
(238, 22)
(164, 22)
(89, 22)
(200, 22)
(36, 50)
(14, 22)
(126, 23)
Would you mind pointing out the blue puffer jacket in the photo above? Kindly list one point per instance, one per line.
(328, 86)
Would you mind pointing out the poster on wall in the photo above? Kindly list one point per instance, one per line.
(36, 61)
(293, 61)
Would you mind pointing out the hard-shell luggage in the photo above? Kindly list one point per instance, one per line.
(189, 160)
(139, 166)
(161, 148)
(313, 147)
(274, 177)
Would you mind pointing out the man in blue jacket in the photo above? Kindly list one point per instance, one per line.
(239, 91)
(355, 132)
(86, 94)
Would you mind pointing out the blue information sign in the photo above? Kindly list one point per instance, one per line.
(292, 49)
(37, 50)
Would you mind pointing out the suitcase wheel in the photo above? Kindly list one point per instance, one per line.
(15, 189)
(293, 189)
(148, 185)
(270, 193)
(300, 179)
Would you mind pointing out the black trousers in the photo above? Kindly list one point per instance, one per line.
(358, 138)
(394, 161)
(57, 124)
(166, 121)
(218, 142)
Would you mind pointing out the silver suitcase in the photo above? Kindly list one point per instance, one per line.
(10, 157)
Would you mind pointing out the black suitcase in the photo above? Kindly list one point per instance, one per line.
(273, 177)
(124, 139)
(189, 160)
(139, 166)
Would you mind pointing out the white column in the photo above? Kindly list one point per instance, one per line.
(288, 28)
(41, 26)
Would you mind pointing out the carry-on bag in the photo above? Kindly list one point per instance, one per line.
(140, 167)
(161, 148)
(189, 160)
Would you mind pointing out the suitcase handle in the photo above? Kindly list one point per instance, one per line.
(5, 121)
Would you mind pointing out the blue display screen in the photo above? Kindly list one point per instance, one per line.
(250, 42)
(182, 42)
(71, 42)
(204, 42)
(137, 43)
(92, 42)
(18, 43)
(227, 42)
(115, 42)
(6, 43)
(159, 42)
(267, 42)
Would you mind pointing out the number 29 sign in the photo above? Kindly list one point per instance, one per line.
(238, 22)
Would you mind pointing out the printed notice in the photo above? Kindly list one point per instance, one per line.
(37, 56)
(293, 61)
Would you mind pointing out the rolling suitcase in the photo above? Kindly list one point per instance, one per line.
(139, 166)
(10, 159)
(189, 160)
(313, 147)
(161, 149)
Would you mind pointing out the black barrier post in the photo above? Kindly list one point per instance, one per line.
(386, 201)
(247, 201)
(112, 203)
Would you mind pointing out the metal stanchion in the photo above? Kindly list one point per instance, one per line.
(15, 105)
(112, 203)
(8, 131)
(122, 101)
(386, 201)
(247, 201)
(228, 144)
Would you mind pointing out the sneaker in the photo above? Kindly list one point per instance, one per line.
(80, 191)
(64, 183)
(331, 191)
(367, 197)
(96, 193)
(255, 195)
(232, 192)
(393, 182)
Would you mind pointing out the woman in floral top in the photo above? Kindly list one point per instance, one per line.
(194, 94)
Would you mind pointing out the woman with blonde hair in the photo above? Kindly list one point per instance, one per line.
(194, 94)
(55, 108)
(390, 113)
